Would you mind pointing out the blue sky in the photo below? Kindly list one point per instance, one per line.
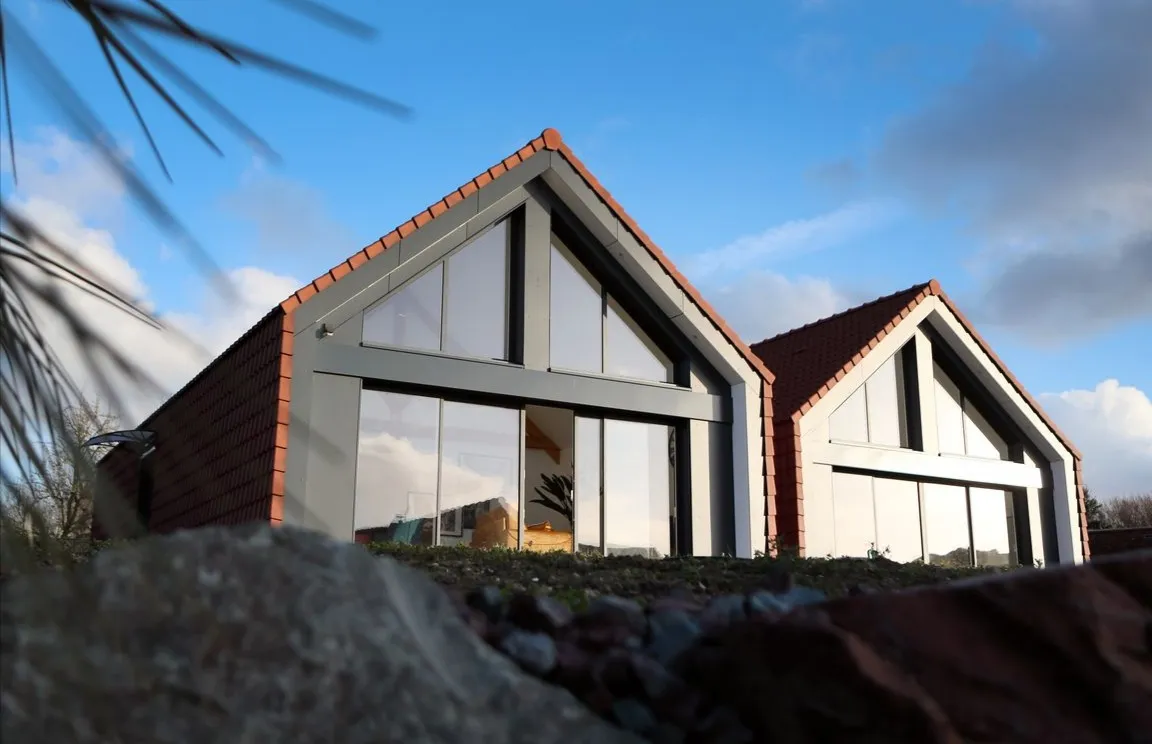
(794, 156)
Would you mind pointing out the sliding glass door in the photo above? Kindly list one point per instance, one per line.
(625, 487)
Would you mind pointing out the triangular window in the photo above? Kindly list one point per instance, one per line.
(459, 306)
(877, 412)
(961, 428)
(590, 332)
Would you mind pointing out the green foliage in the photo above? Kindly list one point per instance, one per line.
(1094, 511)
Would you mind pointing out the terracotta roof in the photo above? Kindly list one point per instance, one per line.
(811, 359)
(549, 139)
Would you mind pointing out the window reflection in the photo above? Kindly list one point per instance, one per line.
(460, 310)
(993, 538)
(476, 306)
(410, 318)
(886, 410)
(628, 352)
(396, 471)
(589, 501)
(638, 488)
(849, 422)
(854, 516)
(946, 535)
(590, 332)
(480, 476)
(898, 519)
(576, 315)
(416, 452)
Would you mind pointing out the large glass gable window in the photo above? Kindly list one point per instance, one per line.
(459, 306)
(590, 332)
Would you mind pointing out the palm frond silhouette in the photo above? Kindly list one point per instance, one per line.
(35, 386)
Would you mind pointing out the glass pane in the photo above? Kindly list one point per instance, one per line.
(981, 439)
(886, 407)
(588, 496)
(992, 530)
(410, 317)
(849, 422)
(480, 476)
(548, 476)
(637, 489)
(855, 518)
(946, 525)
(628, 352)
(476, 309)
(949, 415)
(898, 519)
(396, 468)
(576, 315)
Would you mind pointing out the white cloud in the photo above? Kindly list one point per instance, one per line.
(1047, 151)
(57, 167)
(169, 357)
(289, 216)
(791, 238)
(1112, 427)
(762, 303)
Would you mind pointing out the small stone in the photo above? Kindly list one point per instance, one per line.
(488, 601)
(634, 716)
(722, 611)
(680, 603)
(535, 652)
(613, 671)
(655, 680)
(623, 611)
(762, 602)
(538, 614)
(603, 635)
(670, 634)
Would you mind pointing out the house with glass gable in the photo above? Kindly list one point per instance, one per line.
(520, 366)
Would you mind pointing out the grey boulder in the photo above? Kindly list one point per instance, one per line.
(257, 634)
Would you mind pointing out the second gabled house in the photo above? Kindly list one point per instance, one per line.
(517, 365)
(898, 430)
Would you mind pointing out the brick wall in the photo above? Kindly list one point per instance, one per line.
(1110, 542)
(216, 440)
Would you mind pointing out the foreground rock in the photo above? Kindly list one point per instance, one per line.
(1061, 655)
(260, 635)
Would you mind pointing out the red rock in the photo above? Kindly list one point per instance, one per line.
(1058, 655)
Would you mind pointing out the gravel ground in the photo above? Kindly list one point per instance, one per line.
(615, 631)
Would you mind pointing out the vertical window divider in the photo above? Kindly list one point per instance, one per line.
(603, 329)
(971, 531)
(575, 486)
(444, 272)
(603, 496)
(522, 505)
(923, 523)
(439, 470)
(875, 518)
